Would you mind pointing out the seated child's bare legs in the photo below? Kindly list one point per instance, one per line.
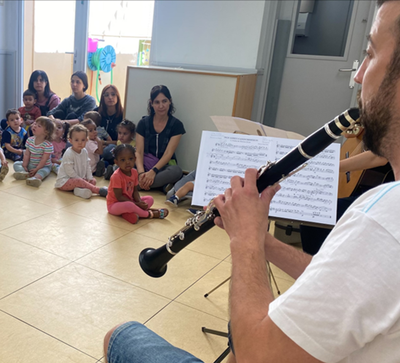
(188, 187)
(182, 191)
(73, 183)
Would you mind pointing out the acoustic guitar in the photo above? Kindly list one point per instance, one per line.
(358, 182)
(352, 146)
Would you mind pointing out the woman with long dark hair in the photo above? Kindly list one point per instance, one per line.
(111, 112)
(46, 99)
(73, 108)
(157, 137)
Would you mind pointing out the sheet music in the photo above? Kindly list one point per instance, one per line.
(310, 195)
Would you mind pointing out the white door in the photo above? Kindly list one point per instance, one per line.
(313, 89)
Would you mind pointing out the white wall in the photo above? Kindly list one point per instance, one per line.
(208, 34)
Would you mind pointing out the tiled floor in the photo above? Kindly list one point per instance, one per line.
(69, 272)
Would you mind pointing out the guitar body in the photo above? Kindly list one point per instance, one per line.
(358, 182)
(348, 181)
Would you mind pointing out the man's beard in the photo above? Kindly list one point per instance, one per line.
(377, 118)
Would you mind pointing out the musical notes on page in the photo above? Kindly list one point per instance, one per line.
(309, 195)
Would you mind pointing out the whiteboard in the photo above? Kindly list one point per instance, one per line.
(220, 34)
(196, 95)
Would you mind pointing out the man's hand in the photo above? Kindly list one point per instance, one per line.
(243, 210)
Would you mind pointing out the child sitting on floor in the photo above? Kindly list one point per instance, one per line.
(181, 190)
(102, 134)
(75, 172)
(94, 147)
(126, 135)
(59, 143)
(14, 136)
(3, 165)
(29, 112)
(123, 197)
(36, 165)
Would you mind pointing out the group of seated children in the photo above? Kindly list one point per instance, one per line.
(74, 154)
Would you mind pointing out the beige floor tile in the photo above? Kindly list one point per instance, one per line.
(181, 326)
(21, 343)
(120, 259)
(45, 194)
(217, 302)
(15, 210)
(78, 306)
(96, 208)
(9, 182)
(21, 264)
(65, 234)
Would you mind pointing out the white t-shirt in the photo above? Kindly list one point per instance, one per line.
(74, 165)
(345, 307)
(91, 147)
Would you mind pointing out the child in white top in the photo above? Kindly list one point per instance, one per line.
(59, 143)
(75, 172)
(94, 147)
(36, 164)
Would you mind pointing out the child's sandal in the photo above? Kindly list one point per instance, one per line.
(163, 213)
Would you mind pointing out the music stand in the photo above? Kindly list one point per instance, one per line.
(270, 274)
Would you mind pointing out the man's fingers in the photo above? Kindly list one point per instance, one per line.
(269, 193)
(237, 182)
(250, 177)
(218, 222)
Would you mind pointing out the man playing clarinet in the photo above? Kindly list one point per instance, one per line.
(345, 303)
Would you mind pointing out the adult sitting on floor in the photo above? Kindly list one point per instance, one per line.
(157, 137)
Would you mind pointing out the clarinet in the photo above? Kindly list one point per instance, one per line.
(154, 261)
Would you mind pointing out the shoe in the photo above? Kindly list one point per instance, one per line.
(83, 193)
(34, 182)
(109, 171)
(100, 169)
(3, 172)
(21, 175)
(172, 201)
(130, 217)
(103, 192)
(193, 211)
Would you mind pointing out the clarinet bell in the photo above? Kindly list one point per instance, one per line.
(152, 262)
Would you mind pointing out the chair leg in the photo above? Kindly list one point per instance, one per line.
(214, 332)
(221, 334)
(223, 355)
(216, 287)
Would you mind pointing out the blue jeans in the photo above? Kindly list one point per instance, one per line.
(45, 171)
(133, 342)
(108, 153)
